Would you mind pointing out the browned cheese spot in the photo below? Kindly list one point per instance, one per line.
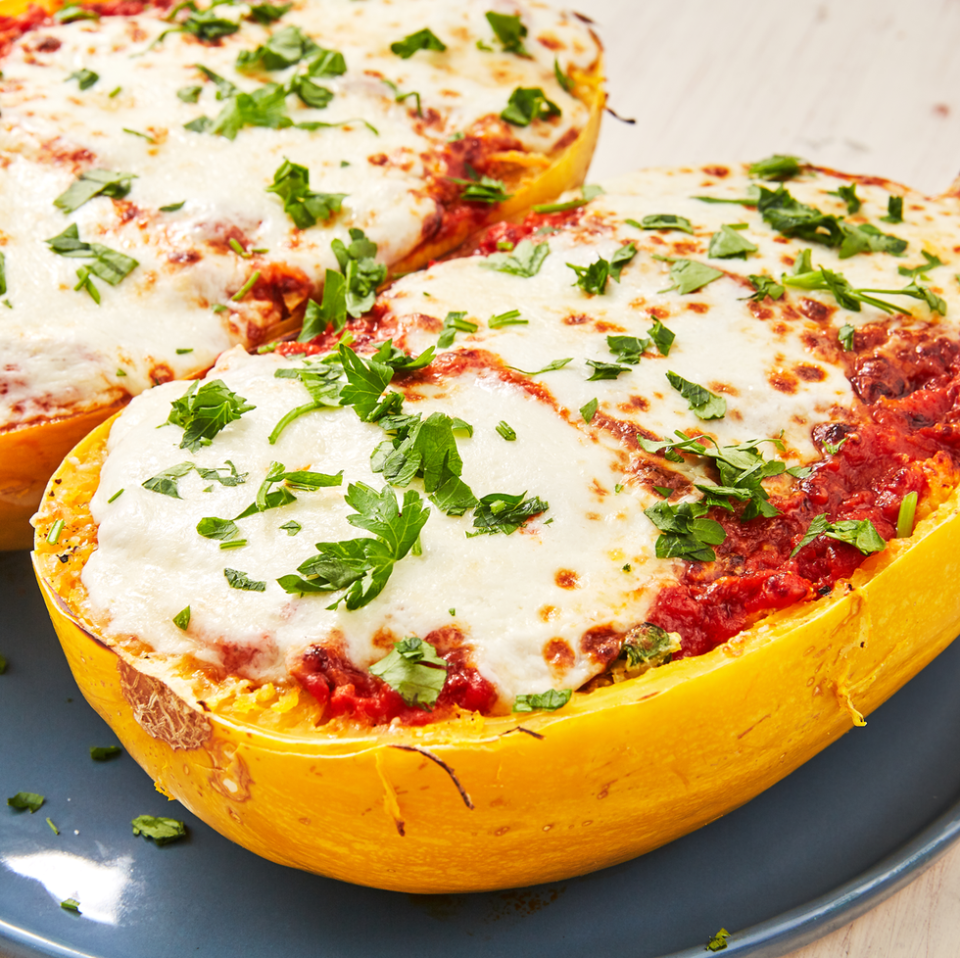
(810, 373)
(700, 308)
(559, 656)
(567, 579)
(783, 381)
(548, 612)
(718, 171)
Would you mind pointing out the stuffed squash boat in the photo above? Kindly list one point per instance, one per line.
(566, 548)
(172, 179)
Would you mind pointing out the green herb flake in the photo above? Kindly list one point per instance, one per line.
(26, 800)
(292, 527)
(3, 273)
(3, 664)
(719, 941)
(663, 221)
(849, 298)
(213, 528)
(849, 196)
(165, 482)
(685, 532)
(453, 323)
(549, 368)
(566, 83)
(688, 276)
(602, 370)
(143, 136)
(71, 904)
(524, 261)
(589, 410)
(894, 210)
(662, 337)
(107, 264)
(906, 515)
(776, 167)
(592, 279)
(527, 104)
(267, 13)
(845, 336)
(240, 580)
(509, 318)
(53, 536)
(203, 411)
(548, 701)
(507, 431)
(424, 39)
(510, 32)
(93, 183)
(482, 190)
(860, 533)
(728, 242)
(234, 544)
(415, 670)
(182, 619)
(589, 192)
(703, 403)
(291, 182)
(161, 830)
(73, 11)
(362, 273)
(85, 78)
(930, 262)
(765, 286)
(191, 93)
(103, 753)
(504, 513)
(53, 827)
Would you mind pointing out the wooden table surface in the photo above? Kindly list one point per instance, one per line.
(866, 86)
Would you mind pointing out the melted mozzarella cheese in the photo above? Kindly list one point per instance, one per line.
(525, 603)
(62, 351)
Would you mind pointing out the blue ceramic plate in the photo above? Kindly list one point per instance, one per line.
(830, 841)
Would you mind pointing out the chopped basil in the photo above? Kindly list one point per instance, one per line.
(728, 242)
(504, 513)
(688, 275)
(366, 382)
(587, 193)
(424, 39)
(203, 411)
(525, 260)
(213, 528)
(71, 904)
(765, 286)
(603, 370)
(103, 753)
(589, 410)
(482, 190)
(26, 800)
(510, 32)
(267, 13)
(161, 830)
(165, 482)
(776, 167)
(705, 404)
(932, 262)
(453, 323)
(240, 580)
(94, 183)
(845, 335)
(549, 368)
(362, 567)
(415, 670)
(849, 196)
(527, 104)
(894, 210)
(548, 701)
(509, 318)
(182, 619)
(506, 430)
(685, 533)
(172, 208)
(291, 182)
(292, 527)
(663, 221)
(860, 533)
(85, 78)
(906, 515)
(592, 279)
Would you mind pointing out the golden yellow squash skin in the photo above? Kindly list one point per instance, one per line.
(615, 773)
(29, 454)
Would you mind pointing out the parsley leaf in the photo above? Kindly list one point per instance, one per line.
(501, 512)
(190, 94)
(894, 210)
(205, 25)
(424, 39)
(603, 370)
(587, 193)
(85, 78)
(850, 298)
(3, 274)
(332, 310)
(705, 404)
(663, 221)
(73, 11)
(525, 260)
(291, 182)
(161, 830)
(284, 48)
(365, 384)
(685, 533)
(362, 273)
(593, 278)
(845, 336)
(267, 13)
(662, 337)
(776, 167)
(94, 183)
(509, 318)
(71, 904)
(26, 800)
(629, 349)
(182, 619)
(214, 528)
(510, 32)
(549, 368)
(102, 753)
(765, 286)
(165, 482)
(906, 515)
(688, 275)
(230, 478)
(205, 410)
(589, 410)
(414, 670)
(860, 533)
(266, 106)
(482, 190)
(565, 82)
(225, 89)
(292, 527)
(506, 431)
(527, 104)
(849, 196)
(453, 323)
(240, 580)
(363, 566)
(932, 262)
(548, 701)
(728, 242)
(719, 941)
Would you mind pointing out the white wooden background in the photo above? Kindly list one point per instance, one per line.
(867, 86)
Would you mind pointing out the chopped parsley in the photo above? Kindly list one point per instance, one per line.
(85, 78)
(172, 207)
(552, 366)
(507, 431)
(765, 286)
(143, 136)
(106, 263)
(504, 513)
(705, 404)
(563, 79)
(527, 104)
(94, 183)
(161, 830)
(191, 93)
(424, 39)
(845, 336)
(849, 196)
(687, 275)
(182, 619)
(906, 515)
(894, 210)
(484, 189)
(589, 410)
(776, 167)
(291, 182)
(73, 11)
(360, 568)
(729, 242)
(203, 411)
(509, 318)
(548, 701)
(71, 904)
(292, 527)
(414, 670)
(240, 580)
(663, 221)
(362, 273)
(525, 260)
(284, 48)
(931, 262)
(587, 193)
(165, 481)
(267, 13)
(265, 106)
(205, 25)
(453, 323)
(213, 528)
(3, 273)
(103, 753)
(860, 533)
(629, 349)
(510, 32)
(53, 536)
(592, 279)
(662, 337)
(26, 801)
(602, 370)
(849, 298)
(225, 89)
(685, 533)
(54, 829)
(719, 941)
